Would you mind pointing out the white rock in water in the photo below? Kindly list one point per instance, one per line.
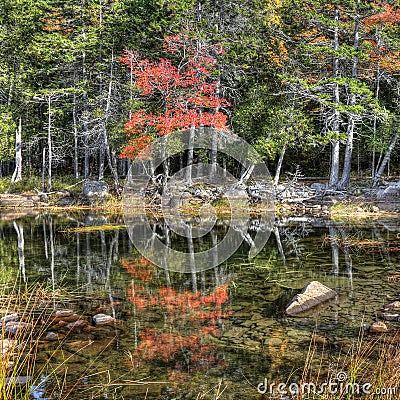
(313, 294)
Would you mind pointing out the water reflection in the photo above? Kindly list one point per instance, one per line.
(224, 322)
(189, 250)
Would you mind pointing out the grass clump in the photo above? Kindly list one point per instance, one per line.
(23, 321)
(369, 370)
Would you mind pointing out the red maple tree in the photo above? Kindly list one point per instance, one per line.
(382, 53)
(175, 95)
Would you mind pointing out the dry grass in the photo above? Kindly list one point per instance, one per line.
(96, 228)
(369, 370)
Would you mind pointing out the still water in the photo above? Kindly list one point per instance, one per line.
(218, 332)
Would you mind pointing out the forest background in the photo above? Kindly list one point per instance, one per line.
(313, 85)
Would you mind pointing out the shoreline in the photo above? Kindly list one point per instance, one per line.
(332, 208)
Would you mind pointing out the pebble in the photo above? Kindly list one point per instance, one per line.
(51, 336)
(81, 323)
(64, 313)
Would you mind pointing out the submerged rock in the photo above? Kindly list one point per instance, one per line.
(51, 336)
(389, 316)
(77, 325)
(9, 318)
(64, 313)
(378, 327)
(312, 295)
(17, 380)
(14, 327)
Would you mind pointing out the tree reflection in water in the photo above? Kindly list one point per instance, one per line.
(185, 320)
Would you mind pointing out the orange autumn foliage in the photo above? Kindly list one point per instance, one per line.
(186, 95)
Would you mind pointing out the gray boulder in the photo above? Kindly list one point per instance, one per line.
(93, 189)
(318, 187)
(389, 192)
(313, 294)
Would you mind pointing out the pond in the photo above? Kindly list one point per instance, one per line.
(211, 333)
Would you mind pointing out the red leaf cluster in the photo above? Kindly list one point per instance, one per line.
(186, 95)
(390, 16)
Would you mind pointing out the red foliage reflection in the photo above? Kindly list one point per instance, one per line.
(186, 321)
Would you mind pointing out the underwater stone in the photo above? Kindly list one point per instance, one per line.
(51, 336)
(15, 327)
(64, 313)
(9, 318)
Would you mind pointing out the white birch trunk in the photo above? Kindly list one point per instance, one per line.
(279, 165)
(345, 180)
(49, 146)
(334, 174)
(17, 175)
(385, 160)
(188, 177)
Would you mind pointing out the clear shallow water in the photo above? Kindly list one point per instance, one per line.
(190, 331)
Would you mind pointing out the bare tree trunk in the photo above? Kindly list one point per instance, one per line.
(213, 155)
(49, 146)
(385, 160)
(378, 84)
(345, 180)
(44, 170)
(75, 127)
(85, 127)
(17, 175)
(334, 174)
(190, 156)
(111, 156)
(102, 156)
(279, 165)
